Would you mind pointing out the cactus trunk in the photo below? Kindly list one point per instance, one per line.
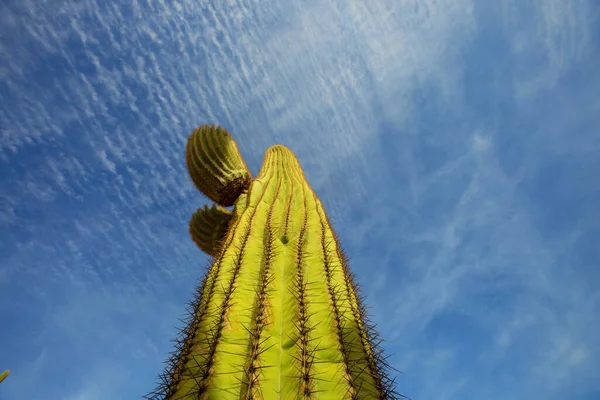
(278, 315)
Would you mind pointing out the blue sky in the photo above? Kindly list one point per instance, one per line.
(455, 144)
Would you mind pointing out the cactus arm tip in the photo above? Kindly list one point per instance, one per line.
(216, 165)
(4, 375)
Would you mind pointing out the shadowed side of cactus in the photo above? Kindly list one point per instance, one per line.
(4, 375)
(208, 227)
(278, 314)
(215, 164)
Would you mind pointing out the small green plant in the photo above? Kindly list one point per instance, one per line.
(278, 314)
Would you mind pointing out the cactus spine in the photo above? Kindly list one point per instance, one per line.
(278, 314)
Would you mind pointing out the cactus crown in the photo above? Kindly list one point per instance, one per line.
(278, 314)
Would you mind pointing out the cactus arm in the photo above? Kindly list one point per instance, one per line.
(4, 375)
(208, 227)
(215, 164)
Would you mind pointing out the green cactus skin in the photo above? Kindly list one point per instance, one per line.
(208, 227)
(278, 314)
(215, 164)
(4, 375)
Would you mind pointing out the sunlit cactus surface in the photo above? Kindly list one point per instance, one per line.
(278, 314)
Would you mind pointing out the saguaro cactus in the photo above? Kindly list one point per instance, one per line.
(278, 314)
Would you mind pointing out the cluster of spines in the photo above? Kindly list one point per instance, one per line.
(170, 378)
(204, 362)
(208, 227)
(336, 303)
(215, 164)
(371, 340)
